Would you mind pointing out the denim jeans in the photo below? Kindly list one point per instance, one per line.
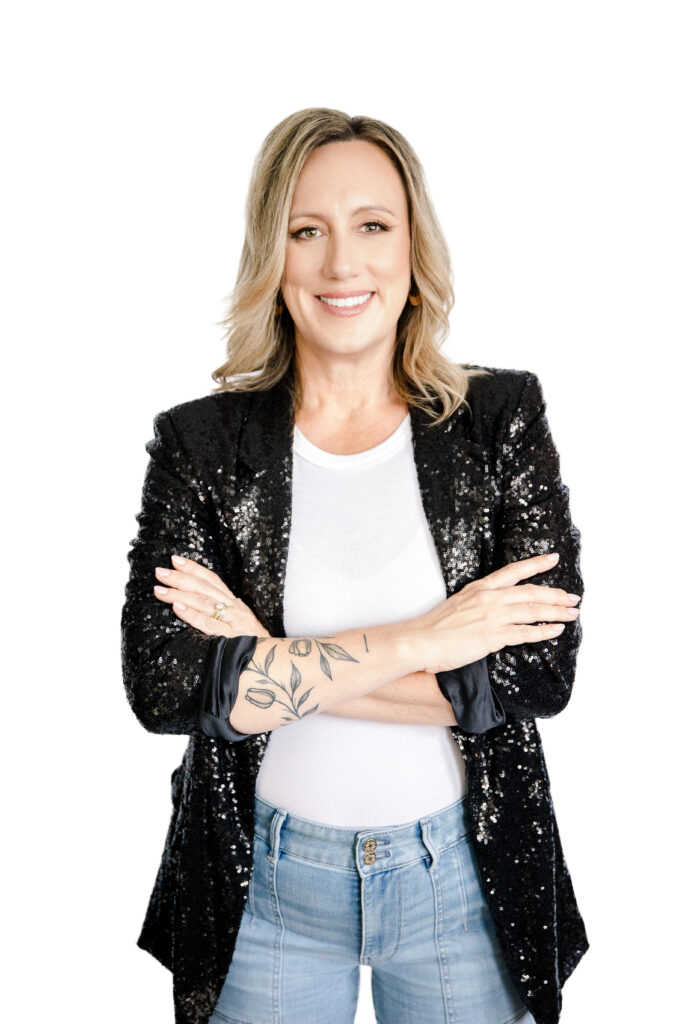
(407, 900)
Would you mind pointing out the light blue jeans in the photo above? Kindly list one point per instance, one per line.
(407, 900)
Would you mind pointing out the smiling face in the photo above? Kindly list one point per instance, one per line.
(349, 239)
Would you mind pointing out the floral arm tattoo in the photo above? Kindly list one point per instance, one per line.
(269, 690)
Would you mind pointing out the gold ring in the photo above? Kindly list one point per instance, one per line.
(218, 611)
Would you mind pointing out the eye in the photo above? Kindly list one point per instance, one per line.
(299, 233)
(375, 224)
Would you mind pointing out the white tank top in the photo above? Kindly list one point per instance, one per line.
(360, 554)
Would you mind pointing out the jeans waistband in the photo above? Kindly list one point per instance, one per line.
(366, 850)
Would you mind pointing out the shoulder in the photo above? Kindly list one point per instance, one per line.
(499, 385)
(223, 409)
(501, 394)
(204, 431)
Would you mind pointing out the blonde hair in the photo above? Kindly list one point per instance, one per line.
(262, 344)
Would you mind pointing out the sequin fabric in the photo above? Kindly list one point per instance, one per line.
(218, 489)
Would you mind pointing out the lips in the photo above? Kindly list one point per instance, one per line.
(344, 295)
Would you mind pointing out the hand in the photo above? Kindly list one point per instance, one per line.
(199, 589)
(491, 613)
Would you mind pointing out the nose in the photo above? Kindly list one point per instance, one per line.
(341, 259)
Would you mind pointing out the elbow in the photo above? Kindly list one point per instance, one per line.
(545, 699)
(527, 711)
(141, 708)
(149, 721)
(559, 699)
(152, 703)
(153, 716)
(161, 683)
(552, 704)
(531, 690)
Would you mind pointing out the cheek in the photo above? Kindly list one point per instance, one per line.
(296, 265)
(394, 261)
(396, 273)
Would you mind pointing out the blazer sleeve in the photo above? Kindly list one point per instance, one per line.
(475, 704)
(535, 680)
(176, 678)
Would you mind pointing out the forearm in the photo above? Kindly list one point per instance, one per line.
(415, 688)
(413, 699)
(290, 678)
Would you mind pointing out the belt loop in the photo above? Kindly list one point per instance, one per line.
(425, 824)
(275, 828)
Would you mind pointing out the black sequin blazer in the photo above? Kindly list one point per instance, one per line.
(218, 489)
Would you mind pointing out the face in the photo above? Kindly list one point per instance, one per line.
(349, 237)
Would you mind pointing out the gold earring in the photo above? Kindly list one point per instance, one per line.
(415, 299)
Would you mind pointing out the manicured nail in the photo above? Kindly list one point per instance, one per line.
(553, 557)
(576, 597)
(180, 605)
(178, 559)
(162, 572)
(161, 590)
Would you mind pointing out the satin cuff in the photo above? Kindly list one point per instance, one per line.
(225, 662)
(476, 706)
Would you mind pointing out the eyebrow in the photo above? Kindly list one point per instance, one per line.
(359, 209)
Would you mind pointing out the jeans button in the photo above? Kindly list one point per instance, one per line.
(370, 845)
(369, 858)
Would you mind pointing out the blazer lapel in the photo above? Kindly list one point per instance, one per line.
(453, 473)
(260, 510)
(458, 494)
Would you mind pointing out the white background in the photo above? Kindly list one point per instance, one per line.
(549, 133)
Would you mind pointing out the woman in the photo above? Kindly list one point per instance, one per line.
(366, 578)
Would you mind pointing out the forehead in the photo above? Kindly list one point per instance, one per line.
(347, 172)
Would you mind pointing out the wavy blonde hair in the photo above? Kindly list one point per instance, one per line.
(262, 344)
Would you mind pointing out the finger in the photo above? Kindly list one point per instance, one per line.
(512, 635)
(538, 611)
(510, 574)
(204, 603)
(187, 581)
(199, 571)
(204, 623)
(539, 593)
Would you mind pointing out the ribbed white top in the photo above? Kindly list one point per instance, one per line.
(360, 554)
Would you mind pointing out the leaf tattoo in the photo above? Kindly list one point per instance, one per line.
(301, 647)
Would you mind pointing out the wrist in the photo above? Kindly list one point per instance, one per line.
(412, 646)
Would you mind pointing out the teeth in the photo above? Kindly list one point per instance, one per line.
(355, 300)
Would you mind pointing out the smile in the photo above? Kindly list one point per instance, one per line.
(349, 306)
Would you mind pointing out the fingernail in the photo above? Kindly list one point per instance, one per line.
(553, 557)
(180, 605)
(161, 590)
(178, 559)
(576, 597)
(162, 572)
